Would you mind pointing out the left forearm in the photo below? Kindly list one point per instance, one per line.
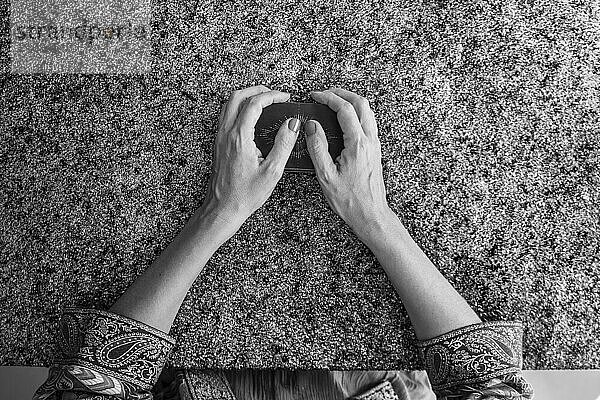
(433, 305)
(156, 295)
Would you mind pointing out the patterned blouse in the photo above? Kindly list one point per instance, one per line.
(105, 356)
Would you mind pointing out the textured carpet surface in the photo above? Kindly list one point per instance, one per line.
(489, 122)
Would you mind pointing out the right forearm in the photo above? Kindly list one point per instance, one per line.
(433, 305)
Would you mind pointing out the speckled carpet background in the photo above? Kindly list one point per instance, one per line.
(489, 120)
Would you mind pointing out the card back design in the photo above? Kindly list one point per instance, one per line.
(274, 115)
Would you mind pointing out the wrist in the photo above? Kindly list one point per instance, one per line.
(381, 228)
(218, 223)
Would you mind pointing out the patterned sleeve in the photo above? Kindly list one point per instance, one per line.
(105, 356)
(477, 362)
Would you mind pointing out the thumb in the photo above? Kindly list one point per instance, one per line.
(284, 143)
(316, 142)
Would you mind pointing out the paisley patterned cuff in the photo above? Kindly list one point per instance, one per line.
(472, 354)
(383, 391)
(106, 353)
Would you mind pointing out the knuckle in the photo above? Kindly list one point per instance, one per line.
(346, 107)
(315, 147)
(363, 103)
(371, 115)
(377, 146)
(253, 103)
(288, 141)
(312, 143)
(376, 142)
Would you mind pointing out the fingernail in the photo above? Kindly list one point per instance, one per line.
(294, 125)
(310, 128)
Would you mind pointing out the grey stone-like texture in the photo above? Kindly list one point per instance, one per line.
(489, 120)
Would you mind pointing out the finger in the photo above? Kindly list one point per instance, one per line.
(236, 99)
(253, 108)
(222, 114)
(316, 142)
(346, 116)
(284, 144)
(220, 133)
(363, 110)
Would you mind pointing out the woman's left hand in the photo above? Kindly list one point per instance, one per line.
(242, 179)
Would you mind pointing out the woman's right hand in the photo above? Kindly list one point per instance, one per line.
(353, 183)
